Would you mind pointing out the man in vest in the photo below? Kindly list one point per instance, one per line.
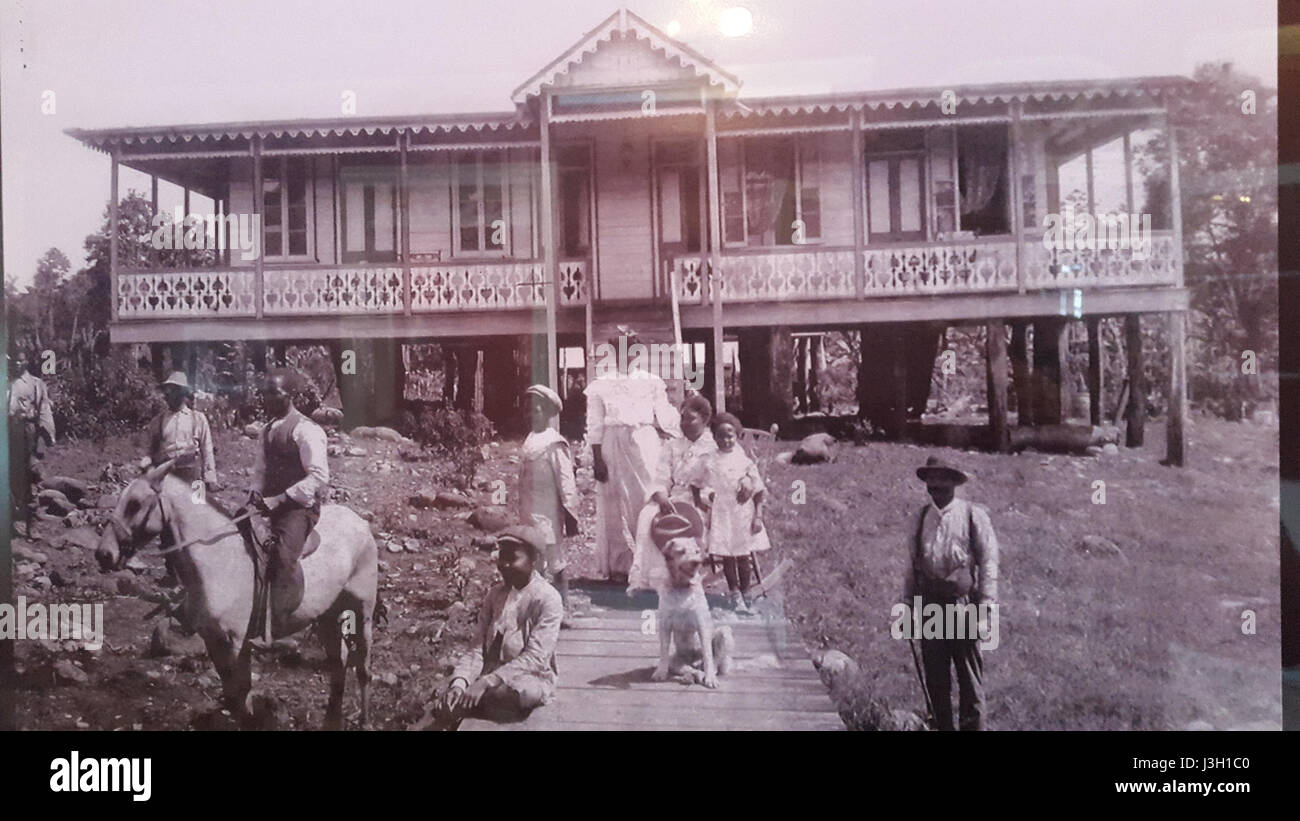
(31, 420)
(953, 561)
(290, 481)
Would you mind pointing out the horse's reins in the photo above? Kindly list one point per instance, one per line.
(124, 536)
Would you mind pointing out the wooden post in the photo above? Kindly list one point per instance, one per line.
(403, 182)
(859, 207)
(153, 192)
(715, 260)
(260, 279)
(1051, 371)
(1175, 193)
(1137, 382)
(549, 243)
(112, 234)
(1096, 371)
(1017, 195)
(780, 395)
(1175, 430)
(801, 374)
(996, 361)
(816, 360)
(898, 386)
(1020, 373)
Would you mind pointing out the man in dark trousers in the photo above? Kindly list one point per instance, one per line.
(290, 481)
(31, 421)
(952, 560)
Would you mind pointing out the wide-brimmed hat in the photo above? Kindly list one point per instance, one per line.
(546, 394)
(178, 379)
(937, 468)
(526, 535)
(684, 522)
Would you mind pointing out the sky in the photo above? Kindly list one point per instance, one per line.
(149, 62)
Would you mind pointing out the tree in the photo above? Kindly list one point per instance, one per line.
(1226, 124)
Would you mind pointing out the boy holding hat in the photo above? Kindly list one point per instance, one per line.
(953, 560)
(510, 668)
(548, 492)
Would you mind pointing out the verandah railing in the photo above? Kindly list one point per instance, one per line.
(346, 289)
(972, 266)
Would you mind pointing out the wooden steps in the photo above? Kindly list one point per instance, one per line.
(605, 663)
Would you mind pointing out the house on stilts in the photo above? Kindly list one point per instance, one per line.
(632, 183)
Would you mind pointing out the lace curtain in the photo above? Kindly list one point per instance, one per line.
(983, 158)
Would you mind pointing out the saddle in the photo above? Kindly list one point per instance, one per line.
(260, 551)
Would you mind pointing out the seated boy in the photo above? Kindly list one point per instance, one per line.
(511, 667)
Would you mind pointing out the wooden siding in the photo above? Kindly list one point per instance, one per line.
(623, 210)
(623, 63)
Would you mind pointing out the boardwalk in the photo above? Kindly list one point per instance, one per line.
(605, 664)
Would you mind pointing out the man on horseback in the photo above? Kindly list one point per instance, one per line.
(290, 482)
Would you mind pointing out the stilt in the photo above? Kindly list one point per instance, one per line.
(449, 371)
(1175, 430)
(816, 361)
(1021, 376)
(996, 363)
(922, 347)
(1096, 399)
(755, 377)
(1050, 370)
(898, 389)
(780, 393)
(466, 373)
(156, 354)
(1137, 382)
(801, 374)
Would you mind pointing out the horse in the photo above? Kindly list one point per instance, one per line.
(340, 577)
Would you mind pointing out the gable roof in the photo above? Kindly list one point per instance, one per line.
(627, 25)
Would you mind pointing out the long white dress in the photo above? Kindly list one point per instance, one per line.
(625, 414)
(677, 461)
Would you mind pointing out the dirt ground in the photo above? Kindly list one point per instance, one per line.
(1147, 637)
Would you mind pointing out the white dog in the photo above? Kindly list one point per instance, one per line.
(690, 649)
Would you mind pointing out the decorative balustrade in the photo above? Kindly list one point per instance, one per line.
(492, 286)
(332, 291)
(182, 294)
(940, 269)
(1158, 264)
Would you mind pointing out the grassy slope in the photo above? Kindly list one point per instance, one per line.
(1152, 639)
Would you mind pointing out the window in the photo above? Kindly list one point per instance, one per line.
(982, 179)
(479, 220)
(895, 204)
(775, 183)
(575, 201)
(284, 206)
(369, 209)
(677, 169)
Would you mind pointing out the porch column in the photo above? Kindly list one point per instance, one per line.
(781, 397)
(112, 235)
(1175, 429)
(550, 274)
(816, 360)
(404, 196)
(801, 374)
(1050, 370)
(1096, 401)
(261, 227)
(1137, 382)
(996, 361)
(1017, 195)
(715, 262)
(1020, 373)
(859, 207)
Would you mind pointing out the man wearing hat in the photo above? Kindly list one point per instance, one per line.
(31, 421)
(548, 491)
(510, 668)
(953, 560)
(183, 434)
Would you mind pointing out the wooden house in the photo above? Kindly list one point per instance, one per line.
(632, 182)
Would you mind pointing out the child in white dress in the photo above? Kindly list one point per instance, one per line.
(725, 483)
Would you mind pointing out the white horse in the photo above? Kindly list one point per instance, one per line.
(340, 582)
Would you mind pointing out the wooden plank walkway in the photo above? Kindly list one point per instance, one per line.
(606, 660)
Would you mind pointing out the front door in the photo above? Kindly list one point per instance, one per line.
(679, 205)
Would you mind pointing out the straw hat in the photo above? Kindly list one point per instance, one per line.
(936, 468)
(684, 522)
(178, 379)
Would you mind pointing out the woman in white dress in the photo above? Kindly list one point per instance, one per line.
(628, 414)
(677, 460)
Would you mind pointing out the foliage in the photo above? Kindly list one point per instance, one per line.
(458, 436)
(101, 397)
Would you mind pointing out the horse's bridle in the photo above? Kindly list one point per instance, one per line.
(123, 533)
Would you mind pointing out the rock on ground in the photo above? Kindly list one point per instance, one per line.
(815, 449)
(73, 489)
(382, 433)
(490, 518)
